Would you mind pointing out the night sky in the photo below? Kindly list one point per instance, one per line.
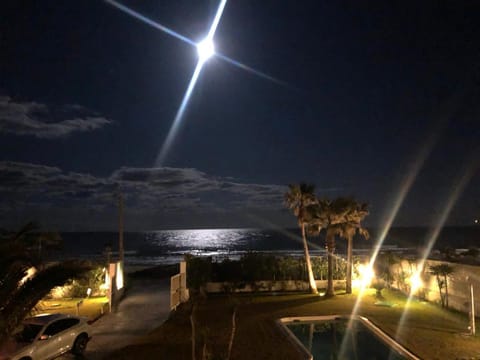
(373, 91)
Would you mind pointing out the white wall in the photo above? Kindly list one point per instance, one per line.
(458, 284)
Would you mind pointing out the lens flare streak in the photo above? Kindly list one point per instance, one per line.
(216, 20)
(202, 59)
(148, 21)
(252, 70)
(176, 122)
(458, 188)
(210, 35)
(407, 183)
(444, 115)
(178, 117)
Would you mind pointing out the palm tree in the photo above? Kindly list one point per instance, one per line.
(21, 234)
(351, 225)
(442, 272)
(46, 242)
(341, 217)
(301, 200)
(36, 241)
(329, 217)
(19, 293)
(383, 266)
(332, 231)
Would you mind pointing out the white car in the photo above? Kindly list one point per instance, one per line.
(46, 337)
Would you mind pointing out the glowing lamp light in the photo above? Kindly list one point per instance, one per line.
(104, 287)
(366, 275)
(106, 284)
(205, 49)
(119, 276)
(415, 283)
(30, 272)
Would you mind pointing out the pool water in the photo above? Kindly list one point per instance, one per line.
(341, 339)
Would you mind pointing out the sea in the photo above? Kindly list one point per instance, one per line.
(151, 248)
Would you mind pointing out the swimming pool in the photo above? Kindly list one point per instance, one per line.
(342, 337)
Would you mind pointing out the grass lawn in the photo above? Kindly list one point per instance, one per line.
(428, 331)
(92, 308)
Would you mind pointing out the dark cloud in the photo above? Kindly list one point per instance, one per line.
(34, 119)
(176, 193)
(166, 177)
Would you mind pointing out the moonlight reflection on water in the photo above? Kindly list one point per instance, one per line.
(204, 238)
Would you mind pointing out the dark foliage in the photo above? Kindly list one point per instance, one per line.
(19, 294)
(256, 267)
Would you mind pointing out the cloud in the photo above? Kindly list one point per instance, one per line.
(34, 119)
(164, 177)
(164, 194)
(187, 186)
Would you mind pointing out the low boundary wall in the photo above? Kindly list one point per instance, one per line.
(267, 286)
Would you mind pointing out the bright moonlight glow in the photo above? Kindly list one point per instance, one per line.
(205, 49)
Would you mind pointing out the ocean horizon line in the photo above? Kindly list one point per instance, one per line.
(262, 229)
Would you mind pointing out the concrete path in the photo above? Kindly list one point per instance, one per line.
(145, 307)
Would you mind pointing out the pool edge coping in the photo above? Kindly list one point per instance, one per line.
(292, 338)
(282, 323)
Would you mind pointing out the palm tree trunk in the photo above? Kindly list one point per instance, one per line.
(311, 278)
(440, 291)
(232, 335)
(310, 336)
(446, 291)
(348, 286)
(192, 323)
(335, 347)
(330, 250)
(204, 351)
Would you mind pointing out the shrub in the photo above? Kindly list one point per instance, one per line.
(199, 271)
(378, 284)
(255, 266)
(93, 279)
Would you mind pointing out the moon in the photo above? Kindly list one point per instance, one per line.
(205, 49)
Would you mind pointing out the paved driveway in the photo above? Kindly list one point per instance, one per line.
(145, 307)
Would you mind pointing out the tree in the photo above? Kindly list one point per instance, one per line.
(46, 242)
(383, 267)
(330, 245)
(36, 242)
(355, 213)
(21, 234)
(301, 200)
(330, 215)
(340, 217)
(442, 272)
(20, 288)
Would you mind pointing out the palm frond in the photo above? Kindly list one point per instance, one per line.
(441, 269)
(26, 229)
(26, 295)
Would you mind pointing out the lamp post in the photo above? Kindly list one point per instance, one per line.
(472, 312)
(120, 227)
